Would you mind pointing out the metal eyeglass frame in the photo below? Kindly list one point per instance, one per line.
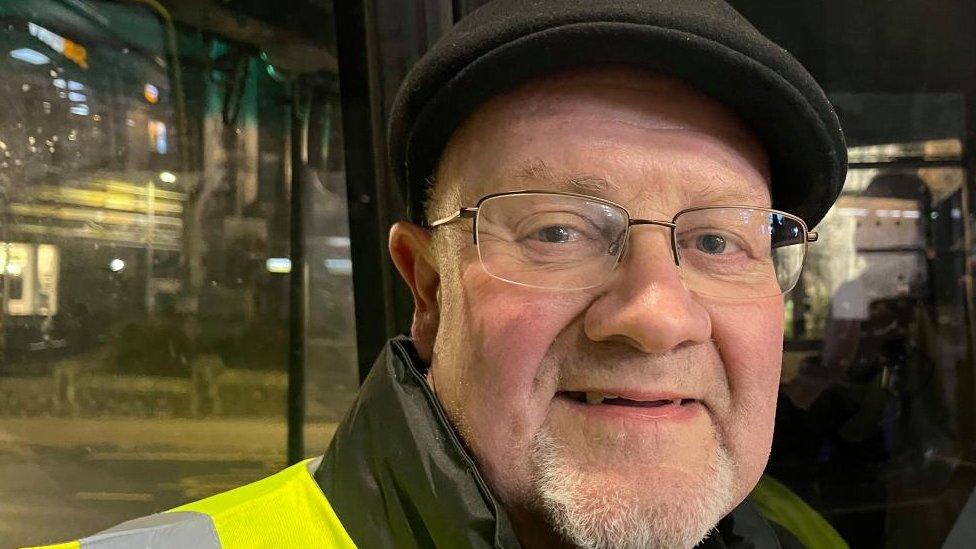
(472, 213)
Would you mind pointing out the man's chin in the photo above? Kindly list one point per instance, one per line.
(629, 503)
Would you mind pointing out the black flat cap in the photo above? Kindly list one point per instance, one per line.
(705, 43)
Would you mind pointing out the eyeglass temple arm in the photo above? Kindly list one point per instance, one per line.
(812, 236)
(463, 213)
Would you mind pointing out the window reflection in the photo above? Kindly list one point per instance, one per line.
(871, 428)
(144, 217)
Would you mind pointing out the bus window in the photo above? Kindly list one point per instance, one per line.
(146, 178)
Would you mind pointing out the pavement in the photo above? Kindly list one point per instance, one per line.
(61, 479)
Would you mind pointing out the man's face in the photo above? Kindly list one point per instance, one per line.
(510, 362)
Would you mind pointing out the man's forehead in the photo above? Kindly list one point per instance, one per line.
(552, 134)
(536, 173)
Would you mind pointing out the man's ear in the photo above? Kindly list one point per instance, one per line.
(410, 250)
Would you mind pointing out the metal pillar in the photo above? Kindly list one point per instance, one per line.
(299, 274)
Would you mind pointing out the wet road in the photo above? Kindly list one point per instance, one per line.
(77, 481)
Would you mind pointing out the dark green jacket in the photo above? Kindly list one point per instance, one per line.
(397, 475)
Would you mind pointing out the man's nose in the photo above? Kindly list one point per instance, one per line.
(645, 303)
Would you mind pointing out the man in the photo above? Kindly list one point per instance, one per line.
(598, 275)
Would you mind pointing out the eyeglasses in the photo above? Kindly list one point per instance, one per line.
(571, 241)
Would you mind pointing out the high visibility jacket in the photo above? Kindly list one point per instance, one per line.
(395, 475)
(286, 510)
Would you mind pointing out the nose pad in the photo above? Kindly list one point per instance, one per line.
(675, 254)
(616, 244)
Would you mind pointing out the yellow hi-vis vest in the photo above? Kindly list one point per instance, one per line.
(287, 510)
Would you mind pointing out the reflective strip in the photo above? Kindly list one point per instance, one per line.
(163, 530)
(287, 510)
(66, 545)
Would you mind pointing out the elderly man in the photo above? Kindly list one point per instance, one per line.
(610, 201)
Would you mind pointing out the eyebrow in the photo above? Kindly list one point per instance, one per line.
(719, 191)
(722, 191)
(536, 170)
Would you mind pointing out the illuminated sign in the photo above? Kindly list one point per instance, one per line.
(278, 265)
(32, 272)
(71, 50)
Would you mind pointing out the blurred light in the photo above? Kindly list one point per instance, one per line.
(339, 266)
(59, 83)
(167, 177)
(157, 136)
(338, 241)
(856, 212)
(151, 93)
(28, 55)
(68, 48)
(78, 97)
(80, 109)
(910, 214)
(116, 265)
(278, 265)
(14, 269)
(75, 86)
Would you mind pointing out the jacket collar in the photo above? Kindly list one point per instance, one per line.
(397, 474)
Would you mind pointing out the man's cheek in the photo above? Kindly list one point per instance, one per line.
(750, 338)
(513, 334)
(511, 328)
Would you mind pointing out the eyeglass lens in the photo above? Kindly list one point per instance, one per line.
(572, 242)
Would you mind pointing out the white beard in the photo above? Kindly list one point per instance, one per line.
(599, 517)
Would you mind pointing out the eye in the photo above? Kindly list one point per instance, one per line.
(710, 243)
(556, 234)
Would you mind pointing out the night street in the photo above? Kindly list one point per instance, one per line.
(72, 480)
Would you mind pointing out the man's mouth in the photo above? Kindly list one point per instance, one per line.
(592, 397)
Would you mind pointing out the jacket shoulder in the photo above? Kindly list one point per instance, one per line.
(286, 510)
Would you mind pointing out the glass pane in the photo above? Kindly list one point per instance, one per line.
(873, 420)
(144, 245)
(331, 372)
